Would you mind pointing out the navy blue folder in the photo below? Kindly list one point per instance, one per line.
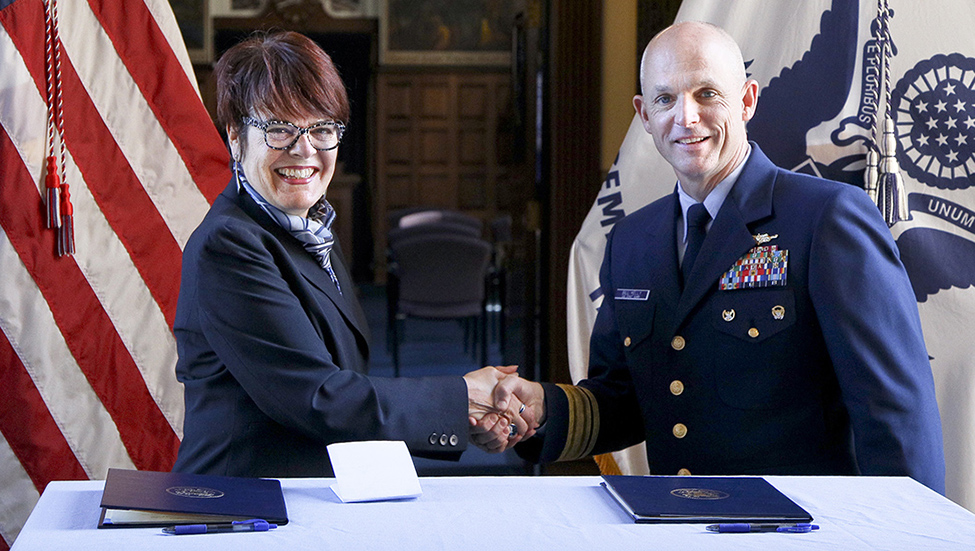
(148, 498)
(689, 499)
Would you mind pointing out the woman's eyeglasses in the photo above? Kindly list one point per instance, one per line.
(283, 135)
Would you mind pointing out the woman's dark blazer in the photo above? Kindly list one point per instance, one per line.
(273, 358)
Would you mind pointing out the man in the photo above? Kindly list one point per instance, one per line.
(791, 345)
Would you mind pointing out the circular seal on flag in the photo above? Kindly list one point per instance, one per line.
(195, 492)
(933, 107)
(698, 493)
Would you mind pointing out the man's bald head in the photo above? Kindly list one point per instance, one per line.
(711, 39)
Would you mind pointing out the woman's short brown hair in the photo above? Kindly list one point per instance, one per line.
(284, 73)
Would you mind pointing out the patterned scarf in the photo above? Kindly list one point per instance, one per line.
(314, 233)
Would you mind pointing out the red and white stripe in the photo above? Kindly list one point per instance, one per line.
(86, 346)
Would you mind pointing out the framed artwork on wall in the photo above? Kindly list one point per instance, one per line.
(193, 18)
(446, 32)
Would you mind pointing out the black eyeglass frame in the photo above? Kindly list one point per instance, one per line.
(263, 127)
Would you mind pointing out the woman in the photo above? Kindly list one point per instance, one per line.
(272, 341)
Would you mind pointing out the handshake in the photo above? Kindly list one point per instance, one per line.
(503, 408)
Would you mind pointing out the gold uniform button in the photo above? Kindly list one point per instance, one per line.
(683, 472)
(676, 388)
(680, 430)
(627, 341)
(678, 343)
(753, 332)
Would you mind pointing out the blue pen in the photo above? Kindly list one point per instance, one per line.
(742, 527)
(253, 525)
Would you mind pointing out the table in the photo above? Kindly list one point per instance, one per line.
(514, 513)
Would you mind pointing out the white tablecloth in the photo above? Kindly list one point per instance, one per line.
(531, 513)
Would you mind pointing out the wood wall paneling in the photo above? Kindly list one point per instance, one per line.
(436, 144)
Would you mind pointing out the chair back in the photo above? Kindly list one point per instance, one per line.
(441, 274)
(417, 216)
(394, 217)
(430, 228)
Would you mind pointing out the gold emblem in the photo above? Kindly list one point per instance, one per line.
(764, 238)
(195, 492)
(753, 332)
(698, 493)
(778, 312)
(728, 315)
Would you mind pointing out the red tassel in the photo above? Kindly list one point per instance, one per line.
(52, 182)
(66, 231)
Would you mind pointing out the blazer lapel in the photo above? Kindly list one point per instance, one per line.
(350, 307)
(310, 269)
(729, 238)
(314, 274)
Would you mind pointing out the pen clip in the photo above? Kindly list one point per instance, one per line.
(798, 528)
(257, 524)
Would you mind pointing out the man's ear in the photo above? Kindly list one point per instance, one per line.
(638, 105)
(749, 99)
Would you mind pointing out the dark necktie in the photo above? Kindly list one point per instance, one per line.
(697, 221)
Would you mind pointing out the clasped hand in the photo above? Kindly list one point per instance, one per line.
(503, 409)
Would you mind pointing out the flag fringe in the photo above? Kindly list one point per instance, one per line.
(607, 464)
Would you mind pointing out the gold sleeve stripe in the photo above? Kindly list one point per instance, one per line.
(583, 423)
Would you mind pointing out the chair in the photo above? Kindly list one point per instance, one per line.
(417, 222)
(439, 275)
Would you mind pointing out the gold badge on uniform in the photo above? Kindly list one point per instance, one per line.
(763, 238)
(728, 315)
(778, 312)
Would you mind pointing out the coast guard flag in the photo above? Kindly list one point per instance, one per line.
(86, 347)
(818, 63)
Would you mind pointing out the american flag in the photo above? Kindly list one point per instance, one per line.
(86, 344)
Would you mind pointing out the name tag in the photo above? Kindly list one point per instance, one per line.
(632, 294)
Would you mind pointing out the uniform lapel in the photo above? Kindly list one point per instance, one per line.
(729, 238)
(661, 254)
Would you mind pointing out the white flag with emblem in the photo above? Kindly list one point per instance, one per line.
(818, 64)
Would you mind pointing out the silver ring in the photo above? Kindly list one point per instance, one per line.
(521, 409)
(512, 430)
